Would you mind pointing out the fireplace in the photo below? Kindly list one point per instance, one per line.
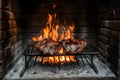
(95, 22)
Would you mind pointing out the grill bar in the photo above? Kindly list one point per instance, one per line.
(27, 60)
(86, 55)
(77, 61)
(35, 60)
(91, 65)
(81, 57)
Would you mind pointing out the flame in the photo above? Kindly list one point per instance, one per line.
(56, 59)
(39, 38)
(45, 60)
(51, 60)
(61, 50)
(51, 31)
(68, 35)
(61, 37)
(34, 39)
(72, 58)
(54, 33)
(72, 27)
(46, 32)
(62, 59)
(50, 20)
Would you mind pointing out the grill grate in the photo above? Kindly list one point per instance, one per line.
(81, 58)
(31, 51)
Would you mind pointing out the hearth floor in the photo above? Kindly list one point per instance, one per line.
(54, 72)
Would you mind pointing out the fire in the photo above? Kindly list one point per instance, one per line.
(61, 37)
(68, 35)
(46, 32)
(54, 33)
(61, 50)
(51, 32)
(39, 38)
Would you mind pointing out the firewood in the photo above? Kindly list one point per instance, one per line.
(47, 46)
(71, 46)
(52, 43)
(52, 51)
(74, 46)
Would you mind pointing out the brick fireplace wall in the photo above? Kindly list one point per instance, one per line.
(1, 39)
(109, 33)
(11, 47)
(109, 39)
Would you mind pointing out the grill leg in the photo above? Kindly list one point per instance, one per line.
(92, 64)
(23, 71)
(25, 66)
(26, 62)
(77, 61)
(35, 60)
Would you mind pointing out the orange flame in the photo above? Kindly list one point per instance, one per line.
(34, 39)
(72, 27)
(61, 37)
(61, 50)
(68, 35)
(39, 38)
(51, 31)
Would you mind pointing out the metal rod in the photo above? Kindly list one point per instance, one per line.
(66, 60)
(25, 66)
(31, 49)
(23, 71)
(54, 59)
(70, 61)
(59, 60)
(77, 61)
(42, 60)
(26, 50)
(92, 65)
(81, 57)
(48, 60)
(25, 60)
(35, 60)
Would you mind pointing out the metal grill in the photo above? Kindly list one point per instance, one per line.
(81, 58)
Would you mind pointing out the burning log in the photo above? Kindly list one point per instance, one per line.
(47, 46)
(74, 46)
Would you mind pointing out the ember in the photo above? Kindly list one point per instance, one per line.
(53, 42)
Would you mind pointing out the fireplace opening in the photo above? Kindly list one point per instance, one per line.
(68, 39)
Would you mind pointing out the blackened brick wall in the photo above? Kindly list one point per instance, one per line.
(109, 39)
(11, 47)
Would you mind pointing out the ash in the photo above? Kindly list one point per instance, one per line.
(56, 72)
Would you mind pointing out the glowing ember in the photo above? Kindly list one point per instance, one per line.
(58, 59)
